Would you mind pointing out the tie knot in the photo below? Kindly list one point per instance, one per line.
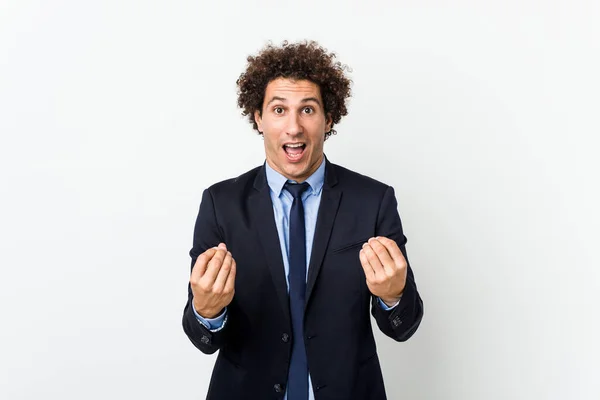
(296, 189)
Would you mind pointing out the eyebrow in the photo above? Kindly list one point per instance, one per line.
(304, 100)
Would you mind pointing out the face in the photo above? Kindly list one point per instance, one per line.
(293, 123)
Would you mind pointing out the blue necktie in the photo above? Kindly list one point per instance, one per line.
(298, 372)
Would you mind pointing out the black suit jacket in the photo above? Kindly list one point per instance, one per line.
(256, 342)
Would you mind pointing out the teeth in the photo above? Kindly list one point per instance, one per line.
(295, 145)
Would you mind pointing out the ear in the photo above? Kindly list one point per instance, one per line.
(258, 120)
(328, 122)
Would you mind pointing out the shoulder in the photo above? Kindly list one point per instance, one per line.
(240, 183)
(352, 180)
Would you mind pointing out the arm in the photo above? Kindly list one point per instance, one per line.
(206, 235)
(401, 321)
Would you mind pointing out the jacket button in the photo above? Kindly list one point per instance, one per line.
(205, 339)
(285, 338)
(278, 388)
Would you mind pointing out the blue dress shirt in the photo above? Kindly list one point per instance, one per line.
(282, 203)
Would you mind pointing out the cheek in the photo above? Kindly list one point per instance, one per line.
(271, 142)
(318, 141)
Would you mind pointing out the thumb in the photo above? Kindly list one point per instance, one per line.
(222, 246)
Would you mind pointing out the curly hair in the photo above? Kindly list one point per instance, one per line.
(296, 61)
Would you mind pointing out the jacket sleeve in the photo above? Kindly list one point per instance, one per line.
(401, 322)
(206, 235)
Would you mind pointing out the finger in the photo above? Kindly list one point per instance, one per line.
(230, 284)
(222, 246)
(201, 264)
(364, 261)
(393, 249)
(223, 274)
(373, 260)
(214, 266)
(384, 256)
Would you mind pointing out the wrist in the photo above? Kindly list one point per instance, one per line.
(390, 301)
(207, 313)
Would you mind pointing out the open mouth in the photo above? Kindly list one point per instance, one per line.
(294, 152)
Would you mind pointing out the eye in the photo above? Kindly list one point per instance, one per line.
(278, 110)
(308, 110)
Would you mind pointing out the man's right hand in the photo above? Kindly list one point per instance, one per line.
(212, 281)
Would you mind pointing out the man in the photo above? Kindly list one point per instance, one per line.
(288, 258)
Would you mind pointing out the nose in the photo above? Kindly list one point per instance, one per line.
(294, 126)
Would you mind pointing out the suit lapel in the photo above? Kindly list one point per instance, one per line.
(330, 201)
(263, 218)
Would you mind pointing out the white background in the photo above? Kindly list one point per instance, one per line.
(115, 115)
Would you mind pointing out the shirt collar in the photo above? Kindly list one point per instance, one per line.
(276, 181)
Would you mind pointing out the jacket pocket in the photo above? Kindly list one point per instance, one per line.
(369, 380)
(348, 246)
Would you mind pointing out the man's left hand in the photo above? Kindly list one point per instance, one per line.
(385, 269)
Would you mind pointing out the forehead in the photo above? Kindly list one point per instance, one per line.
(292, 89)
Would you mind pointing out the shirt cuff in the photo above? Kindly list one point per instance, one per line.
(212, 324)
(385, 306)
